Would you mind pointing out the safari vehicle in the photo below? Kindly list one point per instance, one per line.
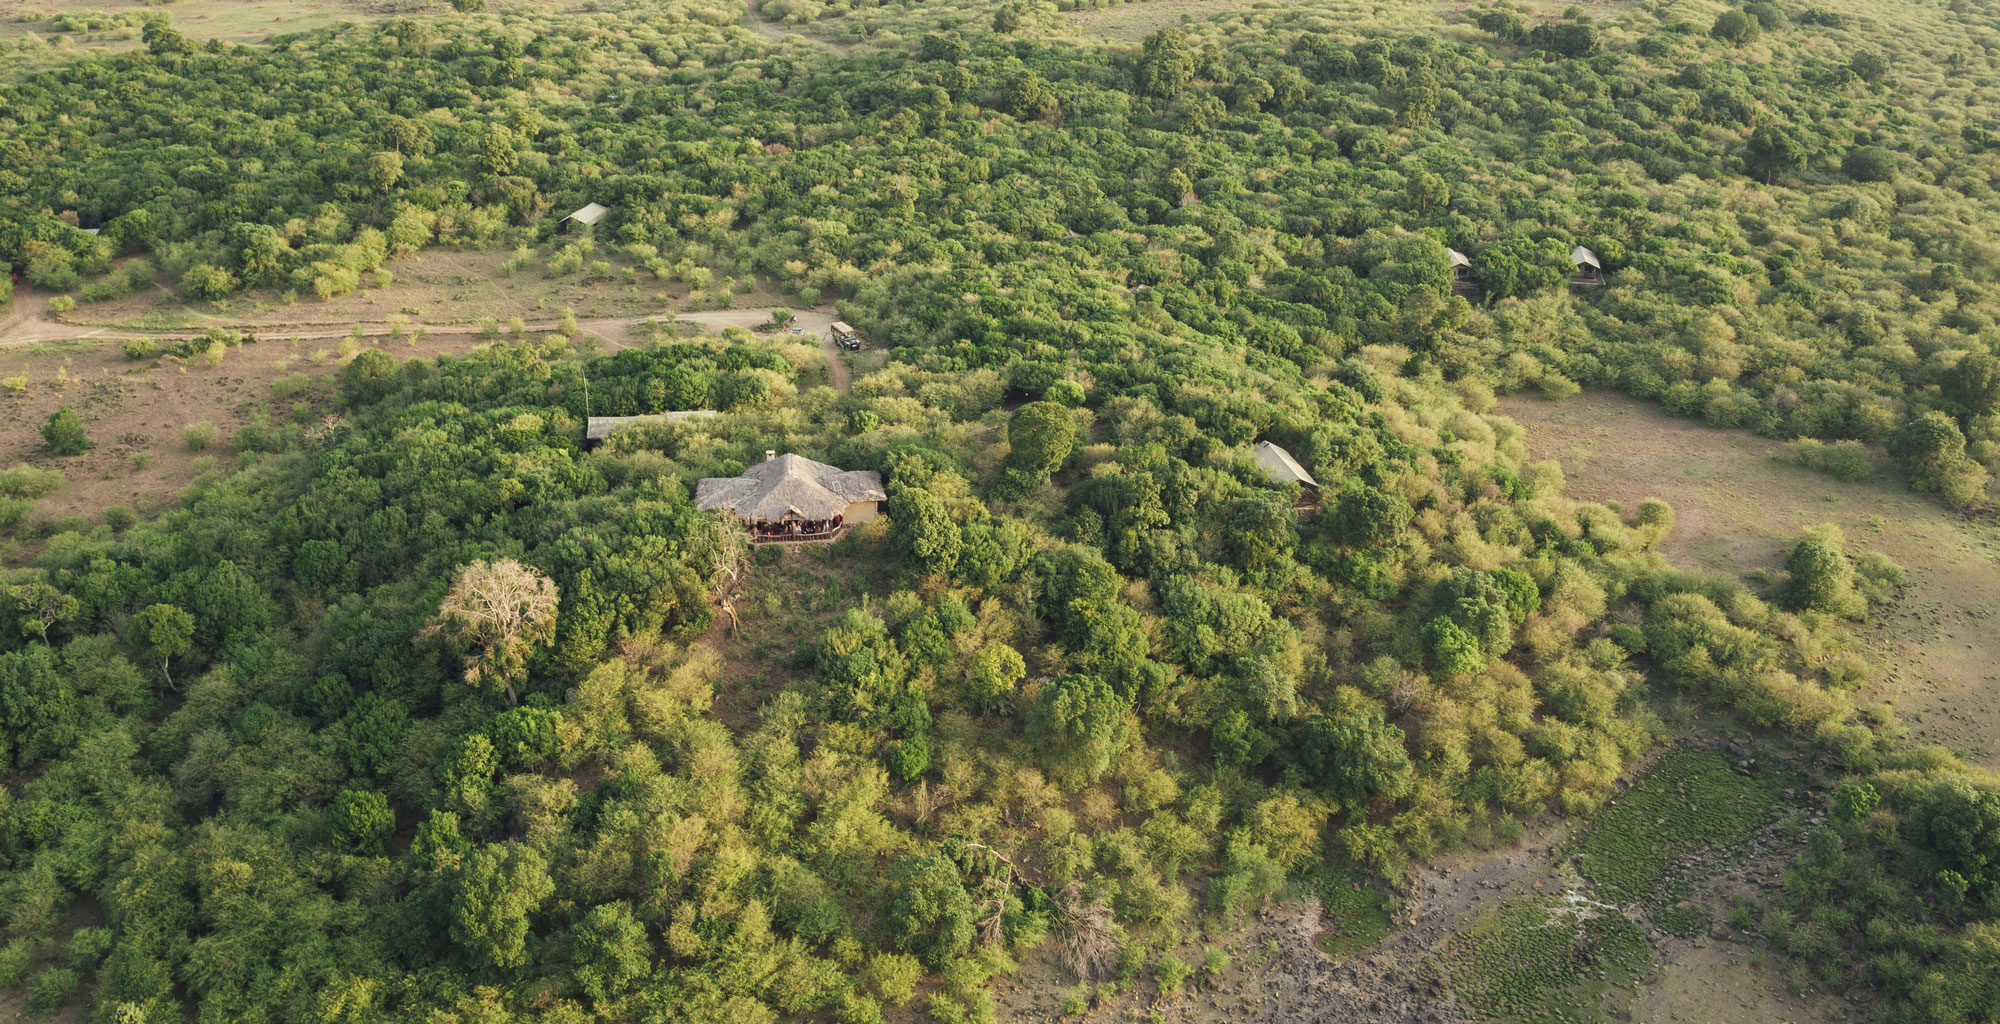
(846, 336)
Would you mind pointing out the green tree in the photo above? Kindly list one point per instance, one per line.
(1082, 724)
(359, 821)
(1869, 163)
(1452, 649)
(921, 527)
(1166, 64)
(497, 150)
(1819, 577)
(930, 913)
(1028, 95)
(1869, 65)
(1776, 149)
(1973, 385)
(1735, 27)
(385, 170)
(1522, 266)
(1039, 437)
(611, 952)
(493, 894)
(64, 433)
(1365, 518)
(1353, 753)
(993, 672)
(367, 377)
(168, 633)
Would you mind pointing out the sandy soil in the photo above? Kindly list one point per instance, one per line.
(1737, 509)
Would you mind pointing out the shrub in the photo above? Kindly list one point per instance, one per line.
(51, 988)
(29, 482)
(1734, 27)
(198, 436)
(142, 348)
(1845, 460)
(64, 433)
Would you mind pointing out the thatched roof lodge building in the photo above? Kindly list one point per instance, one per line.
(790, 497)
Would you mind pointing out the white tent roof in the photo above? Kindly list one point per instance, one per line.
(590, 214)
(1583, 257)
(1458, 258)
(1281, 467)
(788, 485)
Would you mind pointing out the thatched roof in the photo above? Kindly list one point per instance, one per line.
(1583, 257)
(590, 214)
(1281, 467)
(1458, 258)
(597, 428)
(789, 485)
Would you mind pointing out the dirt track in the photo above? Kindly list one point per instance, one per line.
(38, 326)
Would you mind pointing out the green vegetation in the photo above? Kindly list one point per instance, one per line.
(1691, 800)
(416, 716)
(64, 433)
(1547, 960)
(1356, 910)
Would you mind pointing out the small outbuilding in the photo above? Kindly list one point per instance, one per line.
(1281, 467)
(1588, 269)
(1461, 270)
(791, 497)
(588, 217)
(597, 428)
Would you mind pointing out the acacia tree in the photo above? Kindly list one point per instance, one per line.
(494, 617)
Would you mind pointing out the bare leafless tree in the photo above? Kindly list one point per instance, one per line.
(728, 556)
(494, 617)
(1086, 940)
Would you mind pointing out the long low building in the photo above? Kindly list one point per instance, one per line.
(597, 428)
(791, 496)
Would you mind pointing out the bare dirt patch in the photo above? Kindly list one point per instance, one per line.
(1738, 509)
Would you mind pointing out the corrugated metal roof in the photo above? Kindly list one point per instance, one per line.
(597, 428)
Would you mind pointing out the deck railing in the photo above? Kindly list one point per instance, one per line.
(825, 536)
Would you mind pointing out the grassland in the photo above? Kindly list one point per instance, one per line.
(1739, 507)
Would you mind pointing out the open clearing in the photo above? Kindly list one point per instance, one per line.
(1738, 509)
(136, 411)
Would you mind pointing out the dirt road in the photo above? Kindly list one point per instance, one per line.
(36, 325)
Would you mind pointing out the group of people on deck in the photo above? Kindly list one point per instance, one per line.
(798, 527)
